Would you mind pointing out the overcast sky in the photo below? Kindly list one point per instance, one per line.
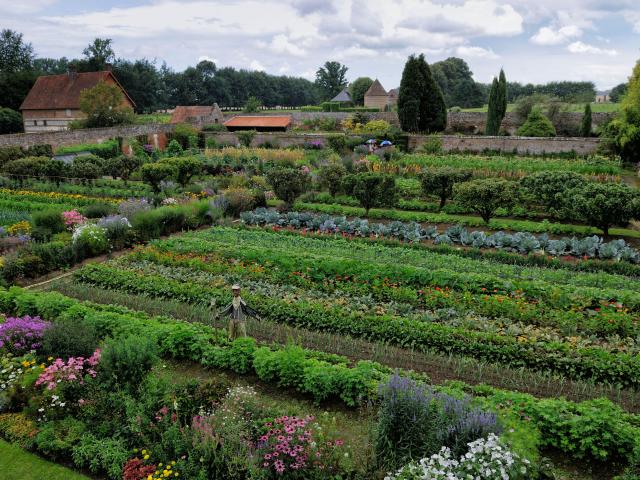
(534, 40)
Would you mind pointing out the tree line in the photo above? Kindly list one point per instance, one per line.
(152, 87)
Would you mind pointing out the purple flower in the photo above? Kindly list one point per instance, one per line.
(19, 335)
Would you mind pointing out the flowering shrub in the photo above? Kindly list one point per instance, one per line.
(135, 469)
(12, 370)
(21, 334)
(19, 228)
(90, 239)
(73, 218)
(288, 445)
(487, 459)
(142, 469)
(169, 201)
(73, 370)
(128, 208)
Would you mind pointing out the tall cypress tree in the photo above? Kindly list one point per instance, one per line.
(502, 97)
(411, 87)
(433, 111)
(585, 128)
(493, 113)
(421, 106)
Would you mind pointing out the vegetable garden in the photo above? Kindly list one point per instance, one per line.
(485, 312)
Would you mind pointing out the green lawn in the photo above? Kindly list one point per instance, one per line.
(16, 464)
(153, 118)
(574, 107)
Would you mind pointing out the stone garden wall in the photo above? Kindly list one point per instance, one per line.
(156, 135)
(462, 143)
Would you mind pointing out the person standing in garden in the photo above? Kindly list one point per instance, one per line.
(237, 312)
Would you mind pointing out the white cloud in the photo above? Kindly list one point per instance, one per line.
(202, 58)
(581, 47)
(256, 65)
(466, 51)
(281, 44)
(357, 51)
(550, 36)
(25, 6)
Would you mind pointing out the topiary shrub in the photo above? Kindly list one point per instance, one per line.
(287, 183)
(372, 190)
(330, 177)
(537, 125)
(440, 182)
(154, 173)
(485, 196)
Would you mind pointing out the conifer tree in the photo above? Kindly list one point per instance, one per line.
(493, 112)
(502, 94)
(421, 106)
(585, 128)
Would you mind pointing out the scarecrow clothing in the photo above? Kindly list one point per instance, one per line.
(237, 312)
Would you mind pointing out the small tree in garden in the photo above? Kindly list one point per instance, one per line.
(252, 105)
(186, 167)
(485, 196)
(123, 166)
(174, 149)
(374, 190)
(440, 182)
(330, 177)
(245, 137)
(358, 88)
(537, 125)
(287, 183)
(87, 167)
(104, 106)
(155, 173)
(547, 188)
(603, 205)
(585, 127)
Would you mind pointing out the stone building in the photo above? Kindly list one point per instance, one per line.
(54, 100)
(378, 97)
(199, 115)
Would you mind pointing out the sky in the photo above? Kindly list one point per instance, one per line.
(533, 40)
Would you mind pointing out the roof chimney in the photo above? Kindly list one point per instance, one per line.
(72, 71)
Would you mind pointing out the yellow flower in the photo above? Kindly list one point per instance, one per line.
(146, 457)
(173, 462)
(160, 464)
(144, 452)
(150, 477)
(135, 450)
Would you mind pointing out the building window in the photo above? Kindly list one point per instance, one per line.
(216, 120)
(44, 122)
(68, 112)
(35, 122)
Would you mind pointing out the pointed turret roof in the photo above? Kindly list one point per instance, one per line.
(376, 90)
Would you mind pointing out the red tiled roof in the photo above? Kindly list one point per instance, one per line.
(259, 121)
(182, 113)
(55, 92)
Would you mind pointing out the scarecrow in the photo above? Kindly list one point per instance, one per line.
(237, 311)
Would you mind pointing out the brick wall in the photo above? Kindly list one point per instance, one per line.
(89, 135)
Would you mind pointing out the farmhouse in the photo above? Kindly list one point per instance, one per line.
(54, 100)
(200, 115)
(274, 123)
(378, 97)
